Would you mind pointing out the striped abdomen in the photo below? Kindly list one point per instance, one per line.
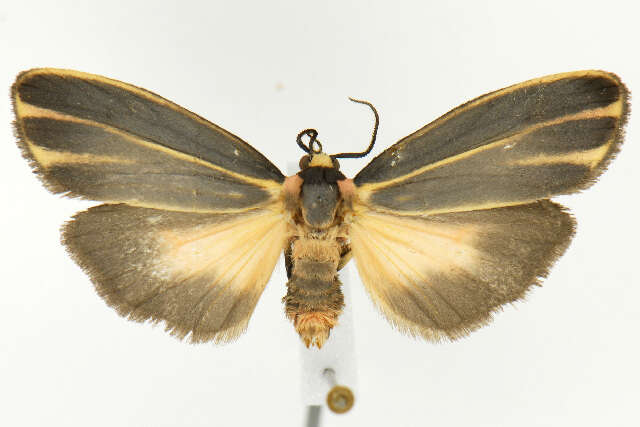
(314, 299)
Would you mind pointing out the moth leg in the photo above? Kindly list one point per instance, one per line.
(345, 256)
(288, 262)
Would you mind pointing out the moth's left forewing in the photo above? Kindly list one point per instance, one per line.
(101, 139)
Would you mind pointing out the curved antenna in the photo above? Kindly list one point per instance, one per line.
(309, 149)
(373, 136)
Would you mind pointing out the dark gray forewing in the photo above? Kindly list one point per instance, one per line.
(553, 135)
(101, 139)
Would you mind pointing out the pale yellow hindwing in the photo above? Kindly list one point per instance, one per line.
(442, 276)
(201, 274)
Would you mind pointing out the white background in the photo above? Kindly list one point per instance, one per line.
(265, 70)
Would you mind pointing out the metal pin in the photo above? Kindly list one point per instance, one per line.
(340, 398)
(313, 415)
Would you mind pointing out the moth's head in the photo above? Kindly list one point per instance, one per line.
(315, 157)
(320, 160)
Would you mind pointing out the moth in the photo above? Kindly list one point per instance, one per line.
(445, 226)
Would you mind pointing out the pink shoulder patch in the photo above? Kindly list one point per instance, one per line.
(292, 185)
(347, 188)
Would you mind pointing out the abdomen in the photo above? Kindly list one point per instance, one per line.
(314, 299)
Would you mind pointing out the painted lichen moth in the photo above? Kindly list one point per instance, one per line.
(445, 226)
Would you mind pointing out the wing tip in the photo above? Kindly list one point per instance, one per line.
(46, 179)
(624, 96)
(619, 135)
(22, 141)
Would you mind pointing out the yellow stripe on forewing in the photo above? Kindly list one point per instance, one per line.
(613, 110)
(359, 207)
(49, 158)
(24, 110)
(239, 254)
(590, 158)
